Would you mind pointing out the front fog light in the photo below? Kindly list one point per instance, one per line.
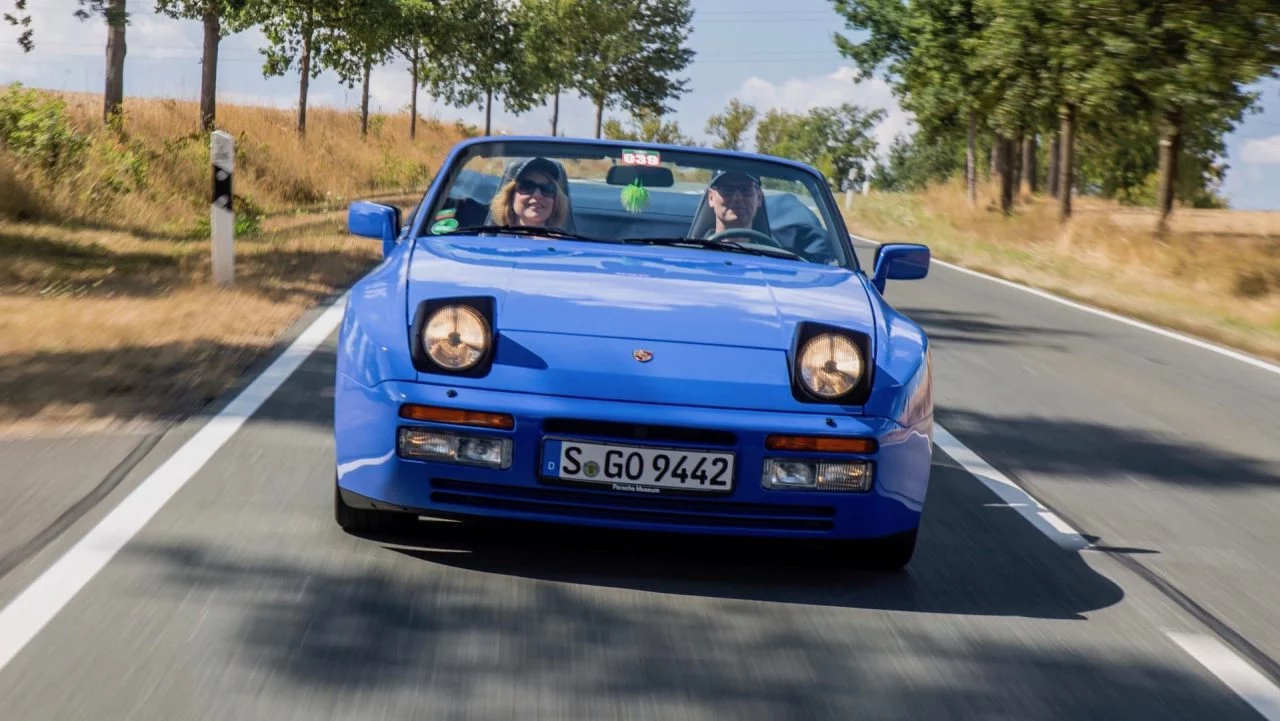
(780, 474)
(844, 476)
(431, 445)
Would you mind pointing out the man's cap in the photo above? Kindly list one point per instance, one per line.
(733, 175)
(540, 164)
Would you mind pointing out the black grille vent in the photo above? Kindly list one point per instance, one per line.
(672, 512)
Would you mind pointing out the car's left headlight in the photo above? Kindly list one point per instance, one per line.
(456, 337)
(830, 365)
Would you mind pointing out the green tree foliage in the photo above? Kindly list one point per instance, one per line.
(297, 32)
(422, 32)
(649, 127)
(220, 18)
(630, 53)
(22, 19)
(365, 41)
(1194, 60)
(730, 127)
(491, 60)
(554, 44)
(913, 164)
(925, 48)
(835, 140)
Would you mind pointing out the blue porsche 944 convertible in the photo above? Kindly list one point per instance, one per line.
(635, 336)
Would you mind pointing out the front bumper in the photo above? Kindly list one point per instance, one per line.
(369, 470)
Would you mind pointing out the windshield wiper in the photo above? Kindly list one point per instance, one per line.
(765, 250)
(527, 230)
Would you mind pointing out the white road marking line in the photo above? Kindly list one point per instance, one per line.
(1220, 350)
(1235, 672)
(28, 613)
(1048, 522)
(1242, 678)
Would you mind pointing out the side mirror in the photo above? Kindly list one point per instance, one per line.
(900, 261)
(374, 220)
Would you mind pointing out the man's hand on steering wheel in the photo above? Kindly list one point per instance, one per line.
(747, 233)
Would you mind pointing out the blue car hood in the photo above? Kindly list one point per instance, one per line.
(570, 304)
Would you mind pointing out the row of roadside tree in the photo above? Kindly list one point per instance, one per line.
(1148, 89)
(626, 54)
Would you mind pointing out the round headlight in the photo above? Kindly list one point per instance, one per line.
(830, 365)
(456, 337)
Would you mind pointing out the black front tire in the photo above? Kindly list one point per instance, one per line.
(365, 520)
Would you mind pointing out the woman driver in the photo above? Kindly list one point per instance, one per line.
(532, 197)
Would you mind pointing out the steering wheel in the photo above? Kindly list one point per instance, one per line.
(746, 233)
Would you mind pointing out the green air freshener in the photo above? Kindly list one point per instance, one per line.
(635, 198)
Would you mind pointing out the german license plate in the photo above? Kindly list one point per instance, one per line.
(638, 468)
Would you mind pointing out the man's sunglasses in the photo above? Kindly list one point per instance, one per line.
(526, 186)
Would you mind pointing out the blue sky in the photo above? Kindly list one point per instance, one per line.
(765, 52)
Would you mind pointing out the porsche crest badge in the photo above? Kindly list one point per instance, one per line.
(642, 355)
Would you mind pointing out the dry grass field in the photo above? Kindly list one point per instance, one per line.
(107, 312)
(1215, 274)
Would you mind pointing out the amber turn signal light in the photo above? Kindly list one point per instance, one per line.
(457, 416)
(821, 444)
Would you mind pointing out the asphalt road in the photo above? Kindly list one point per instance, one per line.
(240, 599)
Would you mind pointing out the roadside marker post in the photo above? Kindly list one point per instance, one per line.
(222, 215)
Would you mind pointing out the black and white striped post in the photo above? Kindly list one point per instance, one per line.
(222, 220)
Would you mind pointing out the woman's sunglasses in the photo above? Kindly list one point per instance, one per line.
(526, 186)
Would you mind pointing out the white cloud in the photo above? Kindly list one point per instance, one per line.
(802, 94)
(1261, 151)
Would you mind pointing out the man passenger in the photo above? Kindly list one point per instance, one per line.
(734, 197)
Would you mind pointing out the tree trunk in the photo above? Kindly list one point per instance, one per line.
(555, 112)
(1170, 148)
(364, 102)
(599, 115)
(209, 67)
(1065, 169)
(971, 161)
(1030, 170)
(304, 68)
(1015, 163)
(413, 103)
(113, 95)
(1055, 153)
(488, 112)
(1006, 172)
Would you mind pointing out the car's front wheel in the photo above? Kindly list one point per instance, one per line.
(365, 520)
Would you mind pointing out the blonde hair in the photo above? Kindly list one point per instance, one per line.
(502, 207)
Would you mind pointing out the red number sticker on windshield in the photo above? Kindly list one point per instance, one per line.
(641, 157)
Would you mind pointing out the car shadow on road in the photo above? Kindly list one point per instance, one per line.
(1048, 445)
(984, 329)
(976, 556)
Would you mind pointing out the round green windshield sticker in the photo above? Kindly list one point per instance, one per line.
(447, 225)
(446, 213)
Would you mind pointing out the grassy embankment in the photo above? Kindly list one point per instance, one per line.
(107, 312)
(1215, 275)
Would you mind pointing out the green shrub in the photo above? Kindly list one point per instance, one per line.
(38, 129)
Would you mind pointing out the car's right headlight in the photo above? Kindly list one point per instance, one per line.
(456, 337)
(830, 365)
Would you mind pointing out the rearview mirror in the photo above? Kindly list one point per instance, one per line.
(650, 176)
(374, 220)
(900, 261)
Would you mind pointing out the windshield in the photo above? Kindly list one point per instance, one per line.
(619, 194)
